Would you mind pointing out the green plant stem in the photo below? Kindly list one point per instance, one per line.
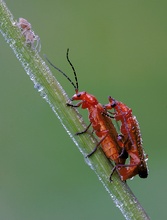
(53, 93)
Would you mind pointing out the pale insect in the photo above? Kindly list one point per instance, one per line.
(29, 34)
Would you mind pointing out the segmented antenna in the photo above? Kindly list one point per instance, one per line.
(64, 74)
(75, 75)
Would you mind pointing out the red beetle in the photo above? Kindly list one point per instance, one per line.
(131, 139)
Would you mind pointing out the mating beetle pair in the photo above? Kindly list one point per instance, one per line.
(116, 147)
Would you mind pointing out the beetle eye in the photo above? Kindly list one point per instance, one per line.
(113, 105)
(78, 95)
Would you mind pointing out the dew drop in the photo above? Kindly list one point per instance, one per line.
(38, 87)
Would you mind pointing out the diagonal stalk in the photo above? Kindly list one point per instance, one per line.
(54, 94)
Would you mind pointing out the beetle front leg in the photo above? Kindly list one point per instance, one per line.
(75, 106)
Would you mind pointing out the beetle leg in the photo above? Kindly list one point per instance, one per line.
(75, 106)
(84, 131)
(94, 150)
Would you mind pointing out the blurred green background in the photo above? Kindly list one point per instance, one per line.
(118, 48)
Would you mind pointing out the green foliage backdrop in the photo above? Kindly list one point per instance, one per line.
(118, 49)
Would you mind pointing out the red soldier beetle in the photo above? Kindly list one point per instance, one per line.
(131, 139)
(102, 125)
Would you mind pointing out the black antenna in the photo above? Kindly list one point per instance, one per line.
(75, 75)
(75, 86)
